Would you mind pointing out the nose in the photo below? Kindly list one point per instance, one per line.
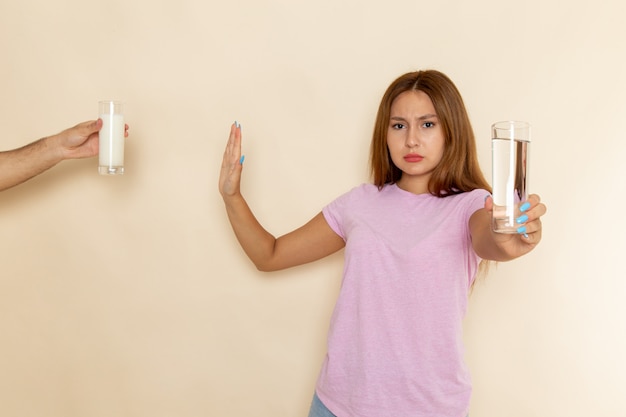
(412, 138)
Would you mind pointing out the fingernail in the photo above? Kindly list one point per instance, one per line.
(526, 235)
(487, 196)
(237, 125)
(521, 230)
(241, 159)
(522, 219)
(524, 207)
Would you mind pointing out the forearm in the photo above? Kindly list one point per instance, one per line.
(256, 242)
(20, 165)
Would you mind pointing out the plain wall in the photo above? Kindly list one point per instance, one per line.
(129, 296)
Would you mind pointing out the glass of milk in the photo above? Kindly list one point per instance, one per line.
(510, 142)
(111, 155)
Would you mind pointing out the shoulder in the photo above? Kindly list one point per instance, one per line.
(357, 198)
(470, 196)
(460, 198)
(359, 192)
(474, 200)
(468, 202)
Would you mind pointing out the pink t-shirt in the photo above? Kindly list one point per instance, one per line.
(395, 343)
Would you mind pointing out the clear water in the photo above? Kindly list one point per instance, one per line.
(510, 181)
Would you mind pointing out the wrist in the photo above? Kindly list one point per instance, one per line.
(52, 149)
(232, 198)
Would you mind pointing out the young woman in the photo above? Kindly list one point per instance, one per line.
(413, 243)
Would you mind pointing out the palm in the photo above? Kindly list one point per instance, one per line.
(230, 174)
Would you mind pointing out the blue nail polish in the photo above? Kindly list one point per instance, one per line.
(522, 219)
(241, 159)
(521, 230)
(524, 207)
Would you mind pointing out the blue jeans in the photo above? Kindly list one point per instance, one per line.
(318, 409)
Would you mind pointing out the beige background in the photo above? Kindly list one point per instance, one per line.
(128, 296)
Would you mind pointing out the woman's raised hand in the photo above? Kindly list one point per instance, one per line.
(230, 174)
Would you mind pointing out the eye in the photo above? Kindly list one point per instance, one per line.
(429, 124)
(397, 126)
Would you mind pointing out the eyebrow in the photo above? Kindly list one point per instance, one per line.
(424, 117)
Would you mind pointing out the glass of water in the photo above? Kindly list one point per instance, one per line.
(510, 142)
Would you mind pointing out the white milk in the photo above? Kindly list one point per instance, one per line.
(112, 141)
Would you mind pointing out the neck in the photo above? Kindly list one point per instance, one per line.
(414, 185)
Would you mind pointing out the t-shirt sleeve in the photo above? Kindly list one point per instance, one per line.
(475, 201)
(335, 213)
(331, 219)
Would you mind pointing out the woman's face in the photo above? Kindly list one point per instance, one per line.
(415, 139)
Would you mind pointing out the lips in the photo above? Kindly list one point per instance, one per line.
(413, 157)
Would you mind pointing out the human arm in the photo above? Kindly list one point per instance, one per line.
(308, 243)
(19, 165)
(494, 246)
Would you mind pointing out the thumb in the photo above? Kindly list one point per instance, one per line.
(92, 126)
(488, 202)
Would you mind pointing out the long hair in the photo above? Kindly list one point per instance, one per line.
(458, 170)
